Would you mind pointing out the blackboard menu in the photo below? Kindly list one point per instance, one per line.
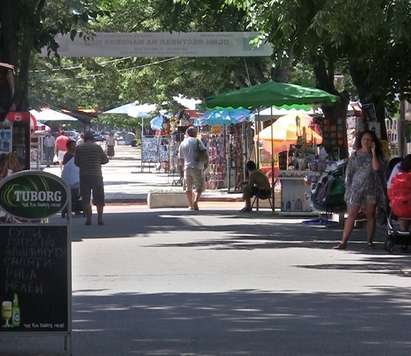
(33, 278)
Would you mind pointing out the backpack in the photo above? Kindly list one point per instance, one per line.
(201, 154)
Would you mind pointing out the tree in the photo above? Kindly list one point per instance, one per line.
(106, 82)
(22, 35)
(368, 38)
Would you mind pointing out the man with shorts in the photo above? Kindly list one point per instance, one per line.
(193, 168)
(257, 184)
(89, 157)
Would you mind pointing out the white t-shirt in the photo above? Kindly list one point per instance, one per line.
(187, 152)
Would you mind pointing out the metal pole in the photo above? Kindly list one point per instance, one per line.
(244, 147)
(257, 145)
(272, 159)
(141, 144)
(229, 162)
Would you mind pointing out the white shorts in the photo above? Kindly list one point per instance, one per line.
(60, 156)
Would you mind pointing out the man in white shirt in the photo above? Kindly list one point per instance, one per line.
(48, 146)
(193, 168)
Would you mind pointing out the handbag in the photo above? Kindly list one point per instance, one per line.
(201, 154)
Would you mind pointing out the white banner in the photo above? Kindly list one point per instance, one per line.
(163, 44)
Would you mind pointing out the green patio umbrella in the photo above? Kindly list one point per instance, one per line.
(270, 93)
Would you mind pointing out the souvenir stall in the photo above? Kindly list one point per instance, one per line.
(267, 95)
(222, 133)
(295, 138)
(15, 136)
(36, 144)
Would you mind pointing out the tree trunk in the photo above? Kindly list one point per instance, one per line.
(334, 125)
(368, 94)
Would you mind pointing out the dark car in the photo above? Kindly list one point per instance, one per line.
(98, 137)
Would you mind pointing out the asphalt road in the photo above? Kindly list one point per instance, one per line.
(214, 282)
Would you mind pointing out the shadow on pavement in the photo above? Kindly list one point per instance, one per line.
(231, 233)
(245, 322)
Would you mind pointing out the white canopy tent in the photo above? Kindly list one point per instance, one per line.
(189, 103)
(45, 115)
(134, 110)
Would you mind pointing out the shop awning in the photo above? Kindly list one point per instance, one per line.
(222, 117)
(45, 115)
(271, 93)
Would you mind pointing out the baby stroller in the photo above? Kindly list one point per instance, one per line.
(328, 193)
(399, 207)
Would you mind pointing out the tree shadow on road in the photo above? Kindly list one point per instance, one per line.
(222, 230)
(243, 322)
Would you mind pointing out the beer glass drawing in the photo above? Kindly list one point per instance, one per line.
(6, 311)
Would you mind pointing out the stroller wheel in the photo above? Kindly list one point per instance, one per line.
(389, 244)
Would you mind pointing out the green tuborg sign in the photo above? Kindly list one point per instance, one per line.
(33, 194)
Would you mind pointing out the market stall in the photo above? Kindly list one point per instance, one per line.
(294, 137)
(221, 131)
(267, 95)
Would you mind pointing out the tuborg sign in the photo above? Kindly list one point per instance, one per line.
(33, 194)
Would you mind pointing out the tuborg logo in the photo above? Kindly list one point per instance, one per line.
(32, 195)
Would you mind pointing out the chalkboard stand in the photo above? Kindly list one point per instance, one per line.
(66, 227)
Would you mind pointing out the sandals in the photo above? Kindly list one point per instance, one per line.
(340, 246)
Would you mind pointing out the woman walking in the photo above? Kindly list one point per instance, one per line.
(364, 187)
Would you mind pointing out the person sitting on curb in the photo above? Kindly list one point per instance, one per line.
(257, 185)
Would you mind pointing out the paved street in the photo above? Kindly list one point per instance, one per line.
(215, 282)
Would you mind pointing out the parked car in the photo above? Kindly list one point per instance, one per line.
(130, 138)
(98, 137)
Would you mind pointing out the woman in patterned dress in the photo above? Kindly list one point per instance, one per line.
(364, 187)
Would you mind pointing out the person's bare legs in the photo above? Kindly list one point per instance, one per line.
(189, 194)
(88, 212)
(348, 226)
(196, 200)
(370, 214)
(100, 209)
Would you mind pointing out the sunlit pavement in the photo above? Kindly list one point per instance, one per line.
(217, 282)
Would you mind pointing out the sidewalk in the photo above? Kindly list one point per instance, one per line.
(126, 182)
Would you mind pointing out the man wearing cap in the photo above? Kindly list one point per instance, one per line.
(89, 157)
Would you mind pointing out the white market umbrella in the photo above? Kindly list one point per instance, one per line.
(133, 110)
(189, 103)
(51, 115)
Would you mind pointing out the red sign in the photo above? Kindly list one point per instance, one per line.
(18, 116)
